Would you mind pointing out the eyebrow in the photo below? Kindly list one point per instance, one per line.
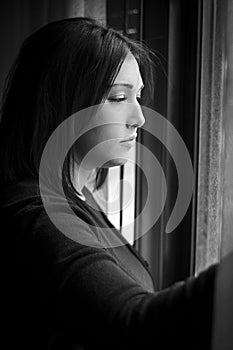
(130, 86)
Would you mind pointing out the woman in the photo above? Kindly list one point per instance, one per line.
(75, 291)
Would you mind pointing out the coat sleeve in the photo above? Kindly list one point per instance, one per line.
(85, 293)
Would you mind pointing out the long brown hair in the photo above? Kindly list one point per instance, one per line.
(71, 62)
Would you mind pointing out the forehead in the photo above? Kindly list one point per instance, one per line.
(129, 72)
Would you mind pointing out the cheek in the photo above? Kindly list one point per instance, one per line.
(99, 142)
(108, 134)
(101, 145)
(112, 113)
(106, 141)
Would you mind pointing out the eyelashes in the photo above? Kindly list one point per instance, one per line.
(122, 99)
(116, 99)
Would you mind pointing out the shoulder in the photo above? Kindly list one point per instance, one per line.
(24, 213)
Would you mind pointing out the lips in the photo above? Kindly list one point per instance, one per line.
(132, 138)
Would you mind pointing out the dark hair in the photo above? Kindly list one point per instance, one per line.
(66, 64)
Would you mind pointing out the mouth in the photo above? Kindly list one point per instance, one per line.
(130, 139)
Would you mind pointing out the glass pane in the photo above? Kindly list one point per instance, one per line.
(113, 203)
(125, 206)
(129, 199)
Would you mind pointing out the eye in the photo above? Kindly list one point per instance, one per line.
(117, 99)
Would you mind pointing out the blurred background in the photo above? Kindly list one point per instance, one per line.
(193, 41)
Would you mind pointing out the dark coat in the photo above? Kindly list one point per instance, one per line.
(63, 294)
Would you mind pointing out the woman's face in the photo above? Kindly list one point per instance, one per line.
(111, 143)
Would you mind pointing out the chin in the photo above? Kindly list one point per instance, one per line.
(114, 162)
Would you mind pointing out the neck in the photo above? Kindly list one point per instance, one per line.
(81, 177)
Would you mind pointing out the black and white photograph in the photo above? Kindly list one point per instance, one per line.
(116, 174)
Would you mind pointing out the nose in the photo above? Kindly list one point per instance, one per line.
(136, 119)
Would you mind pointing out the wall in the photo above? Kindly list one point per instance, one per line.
(227, 227)
(211, 136)
(19, 18)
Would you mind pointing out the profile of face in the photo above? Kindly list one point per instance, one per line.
(109, 144)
